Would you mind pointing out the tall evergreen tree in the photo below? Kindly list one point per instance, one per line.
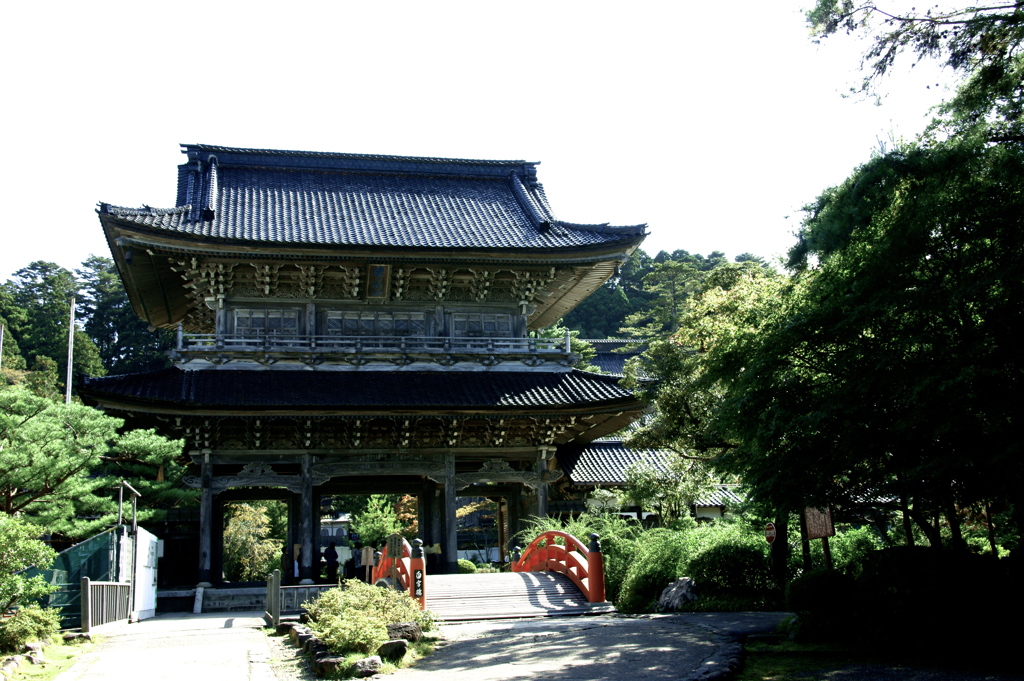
(125, 343)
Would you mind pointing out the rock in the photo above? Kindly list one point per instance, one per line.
(368, 666)
(12, 662)
(393, 650)
(304, 618)
(300, 640)
(284, 628)
(676, 594)
(410, 631)
(35, 657)
(328, 664)
(297, 629)
(33, 647)
(76, 637)
(311, 643)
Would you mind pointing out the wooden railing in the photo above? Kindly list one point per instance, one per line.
(584, 565)
(288, 599)
(405, 571)
(197, 345)
(104, 603)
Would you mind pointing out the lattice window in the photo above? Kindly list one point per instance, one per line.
(270, 322)
(481, 325)
(376, 324)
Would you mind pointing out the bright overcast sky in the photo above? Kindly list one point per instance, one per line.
(712, 122)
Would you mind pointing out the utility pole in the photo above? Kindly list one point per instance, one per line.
(71, 352)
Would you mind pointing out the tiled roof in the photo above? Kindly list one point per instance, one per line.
(606, 462)
(725, 495)
(609, 359)
(322, 199)
(354, 390)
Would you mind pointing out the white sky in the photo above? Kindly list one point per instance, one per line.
(712, 122)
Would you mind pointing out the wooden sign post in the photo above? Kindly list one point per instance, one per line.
(819, 526)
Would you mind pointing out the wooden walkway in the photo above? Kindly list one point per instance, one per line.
(507, 595)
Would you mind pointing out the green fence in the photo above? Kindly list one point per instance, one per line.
(97, 558)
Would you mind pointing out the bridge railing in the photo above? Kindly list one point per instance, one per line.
(584, 565)
(405, 569)
(288, 599)
(104, 603)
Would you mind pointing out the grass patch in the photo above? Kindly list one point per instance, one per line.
(59, 658)
(417, 651)
(788, 661)
(791, 661)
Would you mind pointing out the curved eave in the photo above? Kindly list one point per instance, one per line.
(183, 242)
(157, 295)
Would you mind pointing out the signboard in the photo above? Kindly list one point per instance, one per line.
(769, 532)
(367, 556)
(417, 583)
(819, 523)
(395, 543)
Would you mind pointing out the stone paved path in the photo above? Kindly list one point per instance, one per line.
(180, 647)
(691, 646)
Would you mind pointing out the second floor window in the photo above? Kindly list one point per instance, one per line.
(481, 325)
(376, 324)
(266, 322)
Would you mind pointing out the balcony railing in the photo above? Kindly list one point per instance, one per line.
(362, 349)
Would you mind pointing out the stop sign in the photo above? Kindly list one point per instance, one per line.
(769, 532)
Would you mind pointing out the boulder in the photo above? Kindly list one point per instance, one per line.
(76, 637)
(676, 594)
(33, 647)
(368, 666)
(297, 629)
(284, 628)
(410, 631)
(393, 650)
(328, 664)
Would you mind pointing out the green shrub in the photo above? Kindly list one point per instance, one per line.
(466, 567)
(21, 549)
(848, 549)
(655, 566)
(351, 632)
(351, 618)
(824, 602)
(30, 623)
(731, 570)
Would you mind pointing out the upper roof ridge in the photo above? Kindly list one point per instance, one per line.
(349, 161)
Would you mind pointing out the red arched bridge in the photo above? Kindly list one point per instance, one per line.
(556, 575)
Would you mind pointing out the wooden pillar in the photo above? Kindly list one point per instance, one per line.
(424, 509)
(435, 562)
(318, 545)
(502, 532)
(513, 515)
(217, 541)
(205, 521)
(450, 544)
(542, 485)
(306, 521)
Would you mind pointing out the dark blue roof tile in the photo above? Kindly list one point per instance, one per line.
(351, 390)
(326, 199)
